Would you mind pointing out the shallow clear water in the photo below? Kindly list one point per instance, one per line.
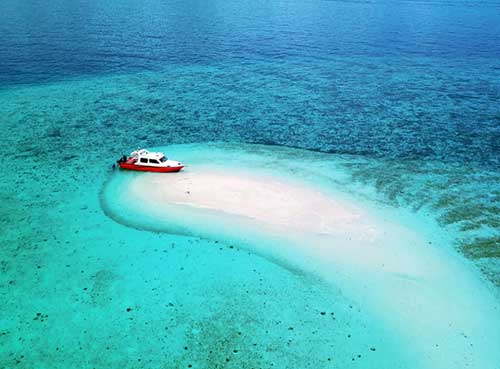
(403, 95)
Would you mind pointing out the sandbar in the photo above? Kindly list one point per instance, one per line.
(379, 257)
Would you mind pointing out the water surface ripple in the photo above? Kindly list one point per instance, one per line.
(404, 96)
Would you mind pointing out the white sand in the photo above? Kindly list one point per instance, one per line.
(428, 295)
(266, 200)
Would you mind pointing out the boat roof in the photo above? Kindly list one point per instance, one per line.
(143, 153)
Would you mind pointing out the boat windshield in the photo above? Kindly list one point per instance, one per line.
(163, 159)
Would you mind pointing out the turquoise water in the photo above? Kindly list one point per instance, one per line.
(403, 96)
(399, 267)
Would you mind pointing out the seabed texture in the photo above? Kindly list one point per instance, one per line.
(395, 103)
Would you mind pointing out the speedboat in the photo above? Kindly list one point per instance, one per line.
(145, 161)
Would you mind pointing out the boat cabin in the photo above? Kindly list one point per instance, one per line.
(144, 157)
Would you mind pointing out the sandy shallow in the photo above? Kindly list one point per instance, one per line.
(383, 259)
(265, 200)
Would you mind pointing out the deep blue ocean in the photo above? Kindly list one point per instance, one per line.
(412, 79)
(405, 93)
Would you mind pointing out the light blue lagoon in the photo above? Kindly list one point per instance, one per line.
(390, 105)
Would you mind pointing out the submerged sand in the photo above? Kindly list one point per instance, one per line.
(424, 292)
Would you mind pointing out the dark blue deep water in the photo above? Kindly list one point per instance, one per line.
(406, 94)
(385, 78)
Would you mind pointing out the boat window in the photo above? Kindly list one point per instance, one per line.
(154, 161)
(144, 160)
(163, 159)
